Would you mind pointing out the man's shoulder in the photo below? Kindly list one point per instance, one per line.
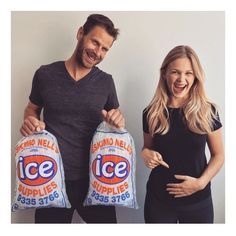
(54, 66)
(102, 73)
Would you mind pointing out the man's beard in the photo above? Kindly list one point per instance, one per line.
(79, 56)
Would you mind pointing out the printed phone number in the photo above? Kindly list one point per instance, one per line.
(113, 199)
(40, 201)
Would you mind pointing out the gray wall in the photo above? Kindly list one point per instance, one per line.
(146, 37)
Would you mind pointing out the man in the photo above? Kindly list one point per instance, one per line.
(76, 96)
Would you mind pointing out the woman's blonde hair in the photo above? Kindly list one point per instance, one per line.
(198, 111)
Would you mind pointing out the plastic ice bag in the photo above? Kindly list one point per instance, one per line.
(112, 168)
(39, 173)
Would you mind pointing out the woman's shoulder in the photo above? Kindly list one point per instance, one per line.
(146, 112)
(215, 117)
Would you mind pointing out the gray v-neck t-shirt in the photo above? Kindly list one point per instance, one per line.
(72, 111)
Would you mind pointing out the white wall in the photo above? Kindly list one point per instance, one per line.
(134, 61)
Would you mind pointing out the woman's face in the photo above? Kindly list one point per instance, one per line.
(179, 77)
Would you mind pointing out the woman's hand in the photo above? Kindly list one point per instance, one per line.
(152, 158)
(189, 186)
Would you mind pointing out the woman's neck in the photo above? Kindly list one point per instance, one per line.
(177, 102)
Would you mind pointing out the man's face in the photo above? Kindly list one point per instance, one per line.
(93, 47)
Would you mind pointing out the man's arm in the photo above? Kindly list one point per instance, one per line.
(32, 121)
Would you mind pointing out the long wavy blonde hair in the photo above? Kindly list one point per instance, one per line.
(198, 111)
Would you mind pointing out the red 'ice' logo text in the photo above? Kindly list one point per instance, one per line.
(36, 169)
(110, 169)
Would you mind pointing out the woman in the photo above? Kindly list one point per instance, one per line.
(177, 124)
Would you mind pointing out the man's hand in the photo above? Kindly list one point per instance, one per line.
(30, 125)
(152, 158)
(189, 186)
(114, 117)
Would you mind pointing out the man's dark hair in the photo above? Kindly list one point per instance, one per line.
(103, 21)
